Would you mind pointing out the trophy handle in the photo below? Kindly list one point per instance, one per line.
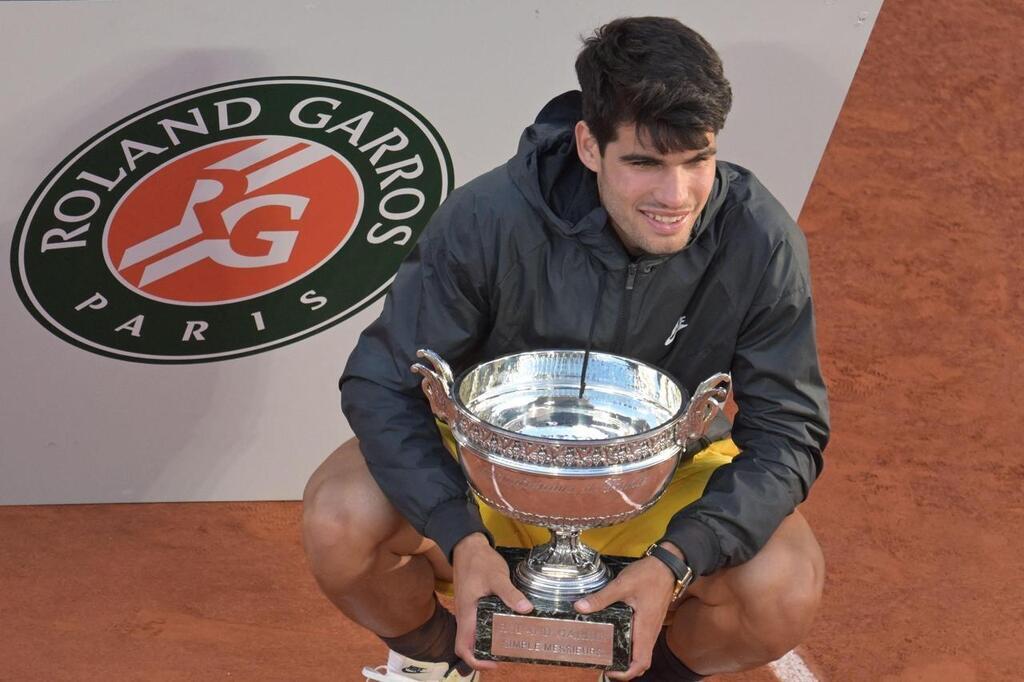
(437, 384)
(707, 401)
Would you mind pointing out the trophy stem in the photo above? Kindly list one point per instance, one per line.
(561, 571)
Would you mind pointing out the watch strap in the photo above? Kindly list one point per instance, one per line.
(680, 569)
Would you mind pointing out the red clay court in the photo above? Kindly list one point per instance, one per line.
(914, 227)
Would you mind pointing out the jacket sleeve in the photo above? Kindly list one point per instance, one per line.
(781, 427)
(437, 301)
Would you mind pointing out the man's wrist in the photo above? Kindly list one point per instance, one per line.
(672, 558)
(698, 542)
(670, 546)
(473, 540)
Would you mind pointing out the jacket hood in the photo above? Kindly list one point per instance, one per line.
(548, 172)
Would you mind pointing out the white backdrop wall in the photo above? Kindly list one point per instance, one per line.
(76, 426)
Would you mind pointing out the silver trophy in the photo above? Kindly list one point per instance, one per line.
(539, 445)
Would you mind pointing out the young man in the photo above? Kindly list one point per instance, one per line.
(613, 226)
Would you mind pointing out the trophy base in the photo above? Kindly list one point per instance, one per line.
(555, 637)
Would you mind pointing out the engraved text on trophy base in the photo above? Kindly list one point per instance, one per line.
(552, 639)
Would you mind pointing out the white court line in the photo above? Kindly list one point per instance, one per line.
(791, 668)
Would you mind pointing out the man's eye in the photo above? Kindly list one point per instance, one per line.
(643, 163)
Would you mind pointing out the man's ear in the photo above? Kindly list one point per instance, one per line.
(587, 147)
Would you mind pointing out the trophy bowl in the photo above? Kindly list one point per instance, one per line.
(567, 440)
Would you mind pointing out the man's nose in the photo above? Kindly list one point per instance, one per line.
(673, 188)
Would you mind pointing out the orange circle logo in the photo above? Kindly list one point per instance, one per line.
(233, 220)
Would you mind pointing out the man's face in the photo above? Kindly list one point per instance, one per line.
(653, 199)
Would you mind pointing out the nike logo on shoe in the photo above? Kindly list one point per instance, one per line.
(413, 669)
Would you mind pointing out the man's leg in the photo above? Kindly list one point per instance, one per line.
(749, 615)
(364, 555)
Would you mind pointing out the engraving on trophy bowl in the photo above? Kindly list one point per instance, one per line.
(589, 498)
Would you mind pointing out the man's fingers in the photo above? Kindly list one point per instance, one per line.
(637, 666)
(513, 598)
(648, 619)
(465, 626)
(635, 669)
(641, 656)
(465, 637)
(600, 599)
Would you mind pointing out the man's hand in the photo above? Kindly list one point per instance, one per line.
(479, 571)
(646, 585)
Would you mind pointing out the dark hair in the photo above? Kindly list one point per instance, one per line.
(657, 73)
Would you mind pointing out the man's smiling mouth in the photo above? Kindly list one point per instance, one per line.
(663, 221)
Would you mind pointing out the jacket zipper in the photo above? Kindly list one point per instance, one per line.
(624, 312)
(620, 335)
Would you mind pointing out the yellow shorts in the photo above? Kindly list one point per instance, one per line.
(631, 538)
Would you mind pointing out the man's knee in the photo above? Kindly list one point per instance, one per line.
(779, 605)
(345, 517)
(783, 619)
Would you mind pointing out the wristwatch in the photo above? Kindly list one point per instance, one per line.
(680, 569)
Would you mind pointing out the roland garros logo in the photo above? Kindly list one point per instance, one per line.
(229, 220)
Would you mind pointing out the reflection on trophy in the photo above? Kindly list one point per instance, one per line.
(566, 440)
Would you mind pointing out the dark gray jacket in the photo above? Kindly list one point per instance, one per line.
(514, 261)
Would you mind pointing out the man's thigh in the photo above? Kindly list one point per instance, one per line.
(343, 487)
(791, 554)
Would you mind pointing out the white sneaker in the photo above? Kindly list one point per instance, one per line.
(403, 669)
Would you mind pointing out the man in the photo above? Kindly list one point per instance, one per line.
(615, 227)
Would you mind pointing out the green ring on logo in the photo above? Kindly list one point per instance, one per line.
(57, 258)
